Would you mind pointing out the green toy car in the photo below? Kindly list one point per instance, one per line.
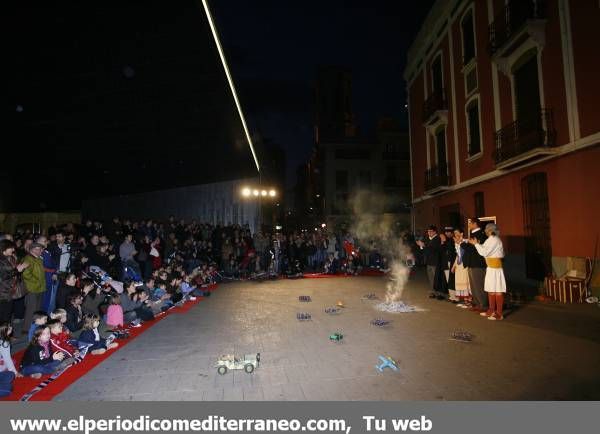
(336, 337)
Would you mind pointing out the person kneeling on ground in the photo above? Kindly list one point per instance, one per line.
(90, 335)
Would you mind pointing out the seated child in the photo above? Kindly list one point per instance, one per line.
(8, 372)
(39, 358)
(114, 313)
(59, 339)
(160, 298)
(74, 312)
(188, 289)
(39, 318)
(90, 335)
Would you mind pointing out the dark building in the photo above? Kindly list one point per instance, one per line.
(346, 162)
(333, 112)
(116, 97)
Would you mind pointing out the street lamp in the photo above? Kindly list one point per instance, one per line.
(246, 192)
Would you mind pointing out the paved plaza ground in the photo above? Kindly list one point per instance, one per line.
(539, 352)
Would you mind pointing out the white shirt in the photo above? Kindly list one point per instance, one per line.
(492, 248)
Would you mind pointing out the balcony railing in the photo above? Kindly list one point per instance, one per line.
(437, 176)
(512, 19)
(437, 101)
(524, 135)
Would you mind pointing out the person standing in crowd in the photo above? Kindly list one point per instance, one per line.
(476, 265)
(431, 253)
(61, 253)
(495, 283)
(50, 269)
(460, 272)
(448, 258)
(10, 279)
(127, 252)
(35, 282)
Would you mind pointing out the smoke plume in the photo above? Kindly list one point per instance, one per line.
(369, 226)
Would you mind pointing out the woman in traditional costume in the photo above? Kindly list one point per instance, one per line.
(495, 283)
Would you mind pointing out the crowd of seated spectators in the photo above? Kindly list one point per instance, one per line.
(78, 286)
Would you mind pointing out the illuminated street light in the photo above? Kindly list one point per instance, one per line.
(263, 193)
(272, 193)
(255, 192)
(246, 192)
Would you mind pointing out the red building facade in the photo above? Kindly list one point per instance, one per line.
(504, 122)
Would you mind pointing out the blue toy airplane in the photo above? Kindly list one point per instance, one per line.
(386, 362)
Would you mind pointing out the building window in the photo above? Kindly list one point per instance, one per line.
(468, 35)
(364, 179)
(473, 128)
(479, 204)
(341, 180)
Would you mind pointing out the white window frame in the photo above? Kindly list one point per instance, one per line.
(439, 54)
(468, 103)
(470, 9)
(435, 134)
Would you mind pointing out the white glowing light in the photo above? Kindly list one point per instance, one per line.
(272, 193)
(230, 80)
(255, 192)
(263, 193)
(246, 192)
(323, 225)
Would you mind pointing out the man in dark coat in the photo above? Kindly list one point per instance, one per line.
(432, 248)
(475, 263)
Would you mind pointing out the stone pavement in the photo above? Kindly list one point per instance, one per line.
(540, 352)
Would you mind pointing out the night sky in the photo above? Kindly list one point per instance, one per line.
(114, 97)
(275, 48)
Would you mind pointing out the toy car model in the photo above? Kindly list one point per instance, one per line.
(228, 362)
(380, 322)
(332, 310)
(462, 336)
(303, 316)
(336, 337)
(305, 298)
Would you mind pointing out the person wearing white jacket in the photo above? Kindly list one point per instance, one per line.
(495, 283)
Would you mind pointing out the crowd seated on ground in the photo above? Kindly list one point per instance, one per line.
(77, 286)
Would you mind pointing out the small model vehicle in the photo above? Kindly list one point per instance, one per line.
(462, 336)
(304, 298)
(386, 362)
(303, 316)
(332, 310)
(336, 337)
(380, 322)
(229, 362)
